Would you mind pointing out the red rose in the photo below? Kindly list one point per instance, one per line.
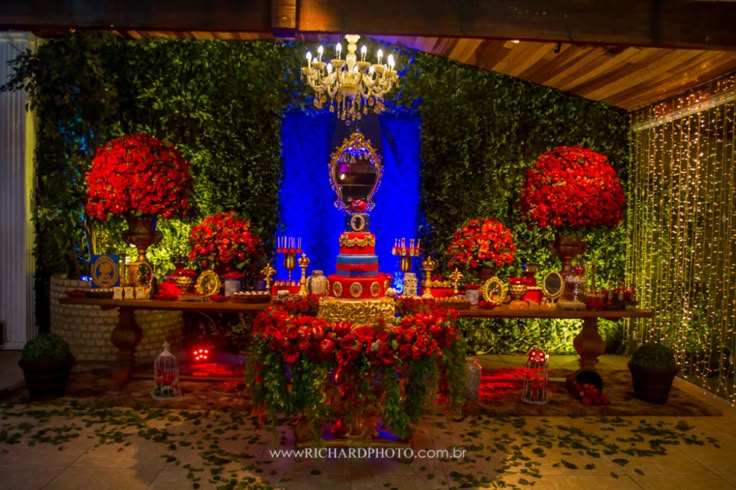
(326, 347)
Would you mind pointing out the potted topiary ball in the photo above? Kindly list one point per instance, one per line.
(46, 361)
(653, 371)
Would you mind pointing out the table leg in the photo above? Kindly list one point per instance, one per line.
(126, 336)
(589, 344)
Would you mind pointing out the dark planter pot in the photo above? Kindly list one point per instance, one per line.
(652, 385)
(46, 379)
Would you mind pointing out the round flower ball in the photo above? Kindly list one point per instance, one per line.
(572, 187)
(224, 242)
(481, 243)
(138, 174)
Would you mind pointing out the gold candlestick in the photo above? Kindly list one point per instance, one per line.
(303, 263)
(405, 263)
(289, 262)
(268, 272)
(456, 277)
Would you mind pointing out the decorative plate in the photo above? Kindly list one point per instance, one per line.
(337, 289)
(375, 289)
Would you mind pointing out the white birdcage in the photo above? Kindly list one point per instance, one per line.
(165, 376)
(536, 378)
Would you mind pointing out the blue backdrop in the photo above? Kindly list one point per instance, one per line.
(307, 199)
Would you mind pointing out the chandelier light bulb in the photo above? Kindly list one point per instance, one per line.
(379, 55)
(338, 50)
(363, 52)
(329, 68)
(320, 50)
(391, 61)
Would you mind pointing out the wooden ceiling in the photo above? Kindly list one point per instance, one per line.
(628, 53)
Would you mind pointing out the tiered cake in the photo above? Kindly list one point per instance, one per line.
(357, 275)
(357, 289)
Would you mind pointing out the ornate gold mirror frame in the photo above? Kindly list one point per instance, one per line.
(355, 146)
(553, 285)
(493, 291)
(208, 283)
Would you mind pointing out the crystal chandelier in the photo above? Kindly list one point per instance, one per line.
(352, 85)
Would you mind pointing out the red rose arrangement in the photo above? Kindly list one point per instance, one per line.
(426, 348)
(138, 174)
(572, 187)
(223, 241)
(185, 273)
(481, 243)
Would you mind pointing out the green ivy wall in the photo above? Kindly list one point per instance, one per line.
(221, 104)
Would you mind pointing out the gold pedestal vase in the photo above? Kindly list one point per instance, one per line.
(141, 233)
(567, 248)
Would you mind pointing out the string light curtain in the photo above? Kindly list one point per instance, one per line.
(682, 232)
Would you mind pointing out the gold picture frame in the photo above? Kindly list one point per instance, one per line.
(208, 283)
(553, 285)
(493, 291)
(355, 174)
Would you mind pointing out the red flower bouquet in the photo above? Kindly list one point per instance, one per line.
(223, 241)
(572, 187)
(481, 243)
(138, 174)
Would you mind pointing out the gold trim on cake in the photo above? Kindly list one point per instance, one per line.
(367, 241)
(337, 289)
(356, 290)
(357, 312)
(375, 289)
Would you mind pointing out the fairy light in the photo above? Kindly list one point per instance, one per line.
(682, 225)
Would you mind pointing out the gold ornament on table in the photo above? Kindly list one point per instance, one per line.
(303, 263)
(406, 253)
(456, 277)
(290, 246)
(429, 265)
(268, 273)
(353, 85)
(142, 234)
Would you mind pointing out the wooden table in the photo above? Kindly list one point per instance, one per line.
(588, 343)
(127, 334)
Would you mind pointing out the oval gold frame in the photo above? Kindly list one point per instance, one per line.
(553, 295)
(208, 283)
(355, 141)
(493, 291)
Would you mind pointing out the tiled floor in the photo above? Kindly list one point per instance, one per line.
(66, 447)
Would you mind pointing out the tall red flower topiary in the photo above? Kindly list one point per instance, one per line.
(481, 243)
(572, 187)
(224, 242)
(138, 175)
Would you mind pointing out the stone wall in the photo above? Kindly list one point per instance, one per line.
(88, 328)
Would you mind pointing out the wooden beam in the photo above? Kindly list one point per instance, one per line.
(661, 23)
(283, 18)
(674, 23)
(143, 15)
